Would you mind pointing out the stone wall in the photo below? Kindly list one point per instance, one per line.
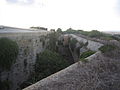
(70, 78)
(92, 45)
(98, 73)
(29, 45)
(80, 46)
(79, 76)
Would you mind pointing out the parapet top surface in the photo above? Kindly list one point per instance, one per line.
(18, 30)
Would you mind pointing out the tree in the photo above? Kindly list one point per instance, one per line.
(8, 53)
(95, 33)
(52, 30)
(39, 28)
(59, 30)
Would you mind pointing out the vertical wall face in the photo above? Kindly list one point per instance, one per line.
(77, 45)
(29, 46)
(92, 45)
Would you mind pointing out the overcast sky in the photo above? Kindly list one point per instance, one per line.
(78, 14)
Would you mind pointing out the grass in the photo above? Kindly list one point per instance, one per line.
(86, 54)
(84, 60)
(107, 48)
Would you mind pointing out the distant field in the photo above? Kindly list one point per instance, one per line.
(111, 32)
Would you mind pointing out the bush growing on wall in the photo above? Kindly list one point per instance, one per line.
(107, 48)
(73, 42)
(52, 41)
(47, 63)
(8, 53)
(5, 85)
(86, 54)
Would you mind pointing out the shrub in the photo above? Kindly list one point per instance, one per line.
(116, 37)
(73, 43)
(70, 31)
(8, 53)
(95, 33)
(84, 60)
(52, 41)
(92, 34)
(5, 85)
(86, 54)
(83, 32)
(59, 30)
(39, 28)
(107, 48)
(47, 63)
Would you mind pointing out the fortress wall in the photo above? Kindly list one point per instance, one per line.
(74, 77)
(95, 74)
(29, 45)
(92, 45)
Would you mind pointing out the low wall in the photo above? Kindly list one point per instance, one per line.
(92, 45)
(95, 74)
(73, 77)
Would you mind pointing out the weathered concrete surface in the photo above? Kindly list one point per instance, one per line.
(99, 73)
(67, 79)
(83, 44)
(92, 45)
(6, 29)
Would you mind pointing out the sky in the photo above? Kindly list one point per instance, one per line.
(103, 15)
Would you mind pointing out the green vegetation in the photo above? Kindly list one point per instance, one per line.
(92, 34)
(59, 30)
(86, 54)
(84, 60)
(42, 39)
(26, 51)
(116, 37)
(95, 33)
(5, 85)
(47, 63)
(53, 38)
(39, 28)
(72, 43)
(8, 53)
(107, 48)
(70, 31)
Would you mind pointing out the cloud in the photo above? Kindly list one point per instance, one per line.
(118, 7)
(23, 2)
(11, 1)
(33, 3)
(79, 14)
